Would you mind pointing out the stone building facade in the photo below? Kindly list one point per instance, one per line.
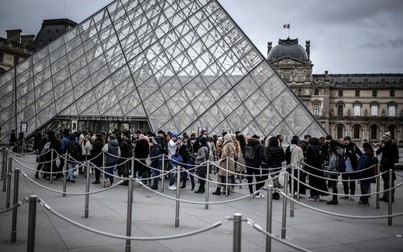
(14, 49)
(363, 106)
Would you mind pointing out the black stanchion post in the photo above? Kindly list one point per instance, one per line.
(178, 194)
(15, 201)
(31, 223)
(87, 190)
(237, 232)
(129, 214)
(269, 216)
(8, 193)
(284, 217)
(390, 197)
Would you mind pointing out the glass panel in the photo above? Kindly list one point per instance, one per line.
(298, 120)
(284, 108)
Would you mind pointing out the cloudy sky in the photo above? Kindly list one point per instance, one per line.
(360, 36)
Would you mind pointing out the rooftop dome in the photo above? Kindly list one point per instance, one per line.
(287, 47)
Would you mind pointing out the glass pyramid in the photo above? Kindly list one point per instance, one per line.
(180, 64)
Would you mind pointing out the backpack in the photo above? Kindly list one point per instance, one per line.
(249, 152)
(73, 150)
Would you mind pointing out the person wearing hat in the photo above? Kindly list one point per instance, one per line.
(226, 162)
(390, 156)
(352, 154)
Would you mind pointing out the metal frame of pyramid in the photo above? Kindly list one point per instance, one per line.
(180, 64)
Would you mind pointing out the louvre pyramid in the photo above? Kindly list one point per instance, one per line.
(180, 64)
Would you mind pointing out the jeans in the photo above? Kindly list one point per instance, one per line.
(156, 173)
(172, 166)
(109, 171)
(70, 172)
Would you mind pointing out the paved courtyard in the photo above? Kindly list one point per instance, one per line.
(154, 216)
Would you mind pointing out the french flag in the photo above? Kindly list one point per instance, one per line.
(286, 26)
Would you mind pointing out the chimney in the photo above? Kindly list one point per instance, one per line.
(27, 40)
(14, 35)
(326, 73)
(269, 47)
(308, 48)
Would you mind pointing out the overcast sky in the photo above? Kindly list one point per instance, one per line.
(359, 36)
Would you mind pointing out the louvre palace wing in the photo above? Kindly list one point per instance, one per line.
(179, 64)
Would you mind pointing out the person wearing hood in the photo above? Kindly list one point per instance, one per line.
(366, 161)
(126, 149)
(254, 156)
(226, 161)
(141, 152)
(112, 151)
(348, 178)
(96, 156)
(201, 165)
(275, 156)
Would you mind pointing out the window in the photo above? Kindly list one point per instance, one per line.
(374, 132)
(374, 109)
(374, 93)
(340, 109)
(316, 91)
(299, 91)
(16, 60)
(357, 93)
(339, 131)
(340, 93)
(316, 107)
(392, 110)
(357, 109)
(356, 131)
(1, 57)
(392, 93)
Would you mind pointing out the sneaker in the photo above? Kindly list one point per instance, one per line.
(344, 197)
(96, 182)
(317, 198)
(172, 187)
(351, 198)
(252, 196)
(311, 198)
(260, 196)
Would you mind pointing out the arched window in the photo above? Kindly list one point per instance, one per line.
(299, 91)
(316, 91)
(374, 132)
(356, 131)
(392, 129)
(339, 131)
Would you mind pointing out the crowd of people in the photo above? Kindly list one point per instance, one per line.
(255, 158)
